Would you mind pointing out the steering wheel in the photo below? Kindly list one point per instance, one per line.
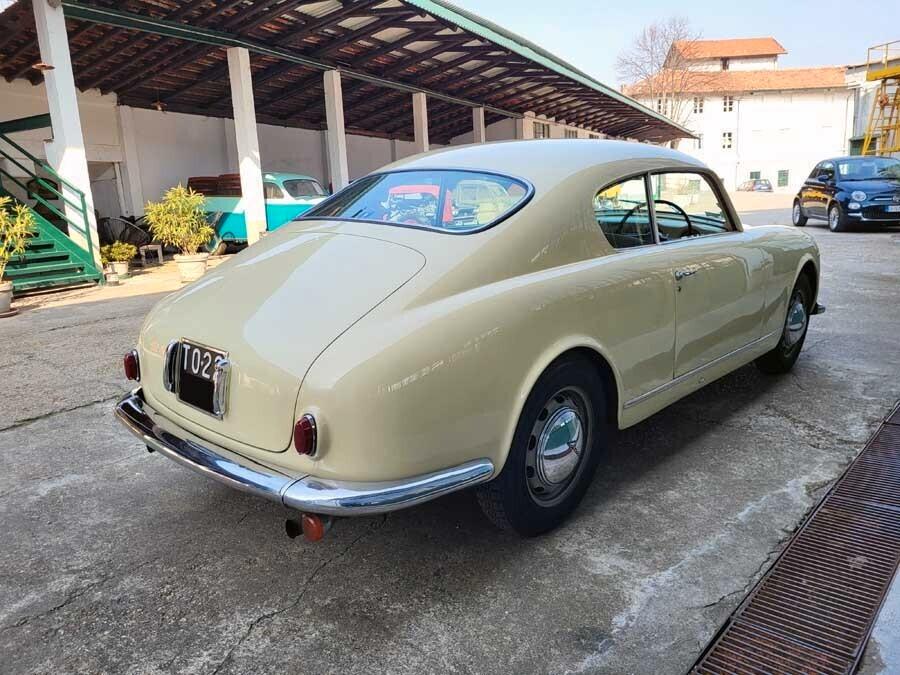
(633, 209)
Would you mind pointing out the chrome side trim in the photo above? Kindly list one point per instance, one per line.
(305, 493)
(696, 371)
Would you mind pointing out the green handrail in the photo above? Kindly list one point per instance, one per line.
(79, 205)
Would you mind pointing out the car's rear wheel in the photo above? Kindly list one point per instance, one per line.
(784, 356)
(837, 222)
(797, 214)
(554, 452)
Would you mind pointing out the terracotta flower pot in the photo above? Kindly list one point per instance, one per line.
(192, 267)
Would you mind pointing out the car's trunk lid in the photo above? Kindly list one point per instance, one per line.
(274, 308)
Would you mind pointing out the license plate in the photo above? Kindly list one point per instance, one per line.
(196, 376)
(892, 208)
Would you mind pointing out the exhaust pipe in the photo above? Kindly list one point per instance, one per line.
(311, 525)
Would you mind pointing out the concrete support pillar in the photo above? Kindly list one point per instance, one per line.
(336, 138)
(65, 153)
(131, 184)
(525, 126)
(247, 142)
(420, 121)
(479, 135)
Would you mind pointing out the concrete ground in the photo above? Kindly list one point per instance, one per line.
(114, 560)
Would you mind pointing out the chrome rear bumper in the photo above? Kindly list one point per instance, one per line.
(305, 493)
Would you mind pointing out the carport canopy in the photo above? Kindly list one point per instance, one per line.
(171, 55)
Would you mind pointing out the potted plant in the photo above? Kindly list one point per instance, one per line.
(116, 257)
(179, 220)
(15, 226)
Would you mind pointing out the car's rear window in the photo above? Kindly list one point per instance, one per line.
(443, 200)
(303, 187)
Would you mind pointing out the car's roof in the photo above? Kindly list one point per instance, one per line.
(281, 175)
(543, 160)
(850, 157)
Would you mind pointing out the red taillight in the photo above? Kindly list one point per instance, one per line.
(132, 365)
(305, 435)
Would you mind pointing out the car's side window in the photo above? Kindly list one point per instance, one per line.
(686, 205)
(272, 191)
(817, 169)
(827, 169)
(623, 213)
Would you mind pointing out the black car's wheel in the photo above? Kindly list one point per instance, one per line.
(554, 452)
(797, 214)
(837, 222)
(782, 358)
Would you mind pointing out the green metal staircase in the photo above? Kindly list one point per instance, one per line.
(51, 258)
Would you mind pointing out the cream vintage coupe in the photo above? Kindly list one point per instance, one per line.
(479, 315)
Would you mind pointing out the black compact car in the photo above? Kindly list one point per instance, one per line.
(755, 185)
(848, 190)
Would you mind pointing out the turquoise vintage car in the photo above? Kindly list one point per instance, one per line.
(287, 196)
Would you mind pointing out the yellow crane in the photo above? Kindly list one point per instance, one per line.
(883, 129)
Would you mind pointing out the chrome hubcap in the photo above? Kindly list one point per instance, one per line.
(557, 446)
(795, 325)
(835, 217)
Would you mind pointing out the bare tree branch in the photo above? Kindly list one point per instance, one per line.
(657, 67)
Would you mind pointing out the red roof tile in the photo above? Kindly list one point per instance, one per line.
(716, 49)
(702, 82)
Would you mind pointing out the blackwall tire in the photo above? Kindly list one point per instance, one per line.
(556, 446)
(783, 357)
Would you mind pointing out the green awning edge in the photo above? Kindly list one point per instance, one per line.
(488, 30)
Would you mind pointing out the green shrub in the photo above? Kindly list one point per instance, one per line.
(15, 226)
(118, 251)
(179, 220)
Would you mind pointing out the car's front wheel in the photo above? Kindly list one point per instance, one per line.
(554, 453)
(782, 358)
(837, 222)
(797, 214)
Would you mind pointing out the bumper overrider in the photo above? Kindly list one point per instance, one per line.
(304, 493)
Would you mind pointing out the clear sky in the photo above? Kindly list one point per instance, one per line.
(589, 34)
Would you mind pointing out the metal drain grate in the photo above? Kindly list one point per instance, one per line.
(812, 612)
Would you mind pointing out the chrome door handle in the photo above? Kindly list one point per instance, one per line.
(681, 274)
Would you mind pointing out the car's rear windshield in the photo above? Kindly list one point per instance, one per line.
(443, 200)
(867, 168)
(303, 187)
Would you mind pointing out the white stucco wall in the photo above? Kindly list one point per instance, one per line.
(739, 63)
(772, 131)
(20, 98)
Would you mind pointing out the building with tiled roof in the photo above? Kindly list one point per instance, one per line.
(752, 118)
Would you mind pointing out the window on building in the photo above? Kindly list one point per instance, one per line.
(698, 142)
(687, 205)
(783, 177)
(728, 103)
(725, 64)
(622, 213)
(541, 130)
(698, 105)
(571, 133)
(755, 175)
(662, 106)
(594, 136)
(727, 140)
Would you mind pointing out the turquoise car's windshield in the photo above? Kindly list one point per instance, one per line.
(444, 200)
(868, 168)
(300, 188)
